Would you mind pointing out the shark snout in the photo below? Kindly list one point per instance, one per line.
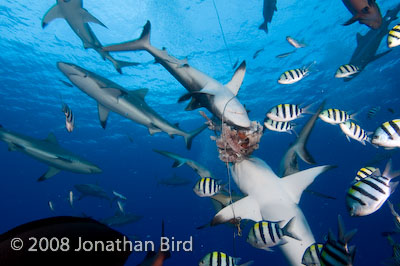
(236, 114)
(95, 169)
(69, 69)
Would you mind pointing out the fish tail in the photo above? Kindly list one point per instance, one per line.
(286, 230)
(389, 173)
(189, 136)
(264, 27)
(143, 43)
(118, 64)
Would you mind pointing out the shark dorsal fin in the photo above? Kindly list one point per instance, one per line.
(87, 17)
(296, 183)
(103, 114)
(141, 93)
(237, 79)
(246, 208)
(52, 138)
(53, 13)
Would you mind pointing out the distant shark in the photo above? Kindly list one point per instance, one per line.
(78, 18)
(120, 219)
(204, 91)
(368, 44)
(275, 199)
(130, 104)
(49, 152)
(91, 190)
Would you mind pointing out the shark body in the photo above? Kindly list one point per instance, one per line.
(49, 152)
(204, 91)
(130, 104)
(78, 18)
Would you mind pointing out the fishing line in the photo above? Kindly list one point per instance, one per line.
(223, 35)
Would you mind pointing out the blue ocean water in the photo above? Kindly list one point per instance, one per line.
(32, 94)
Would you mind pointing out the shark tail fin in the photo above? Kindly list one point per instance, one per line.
(139, 44)
(264, 27)
(286, 230)
(178, 160)
(189, 137)
(118, 64)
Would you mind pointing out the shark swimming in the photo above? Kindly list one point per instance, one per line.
(78, 18)
(130, 104)
(49, 152)
(204, 91)
(368, 44)
(91, 190)
(275, 199)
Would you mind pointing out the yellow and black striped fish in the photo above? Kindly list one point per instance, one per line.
(285, 112)
(394, 36)
(334, 116)
(364, 172)
(278, 126)
(388, 134)
(221, 259)
(207, 187)
(345, 71)
(354, 131)
(312, 255)
(294, 75)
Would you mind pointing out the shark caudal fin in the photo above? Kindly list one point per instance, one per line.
(118, 64)
(189, 137)
(139, 44)
(179, 161)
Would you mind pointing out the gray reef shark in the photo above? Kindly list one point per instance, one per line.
(269, 7)
(130, 104)
(120, 219)
(91, 190)
(49, 152)
(179, 161)
(174, 181)
(78, 18)
(275, 199)
(204, 91)
(368, 44)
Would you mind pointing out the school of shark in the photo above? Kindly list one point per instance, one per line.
(260, 202)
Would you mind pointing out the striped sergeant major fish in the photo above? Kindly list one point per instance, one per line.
(395, 215)
(69, 117)
(286, 112)
(312, 255)
(265, 234)
(354, 131)
(335, 116)
(347, 70)
(372, 112)
(207, 187)
(393, 39)
(367, 195)
(364, 173)
(335, 252)
(279, 126)
(294, 75)
(388, 135)
(221, 259)
(295, 43)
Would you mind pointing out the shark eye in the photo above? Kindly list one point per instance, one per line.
(365, 10)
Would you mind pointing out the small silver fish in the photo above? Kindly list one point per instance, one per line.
(295, 43)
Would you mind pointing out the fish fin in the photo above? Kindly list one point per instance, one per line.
(193, 105)
(138, 44)
(103, 114)
(343, 236)
(264, 27)
(246, 208)
(50, 173)
(51, 138)
(179, 161)
(119, 64)
(141, 93)
(393, 186)
(154, 129)
(380, 55)
(348, 138)
(351, 21)
(53, 13)
(185, 97)
(388, 172)
(286, 230)
(296, 183)
(189, 136)
(12, 147)
(237, 79)
(87, 17)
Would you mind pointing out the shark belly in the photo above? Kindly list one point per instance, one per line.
(256, 179)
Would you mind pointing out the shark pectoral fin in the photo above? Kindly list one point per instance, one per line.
(114, 92)
(351, 21)
(51, 138)
(50, 173)
(193, 105)
(154, 129)
(51, 14)
(103, 114)
(246, 208)
(87, 17)
(237, 79)
(185, 97)
(296, 183)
